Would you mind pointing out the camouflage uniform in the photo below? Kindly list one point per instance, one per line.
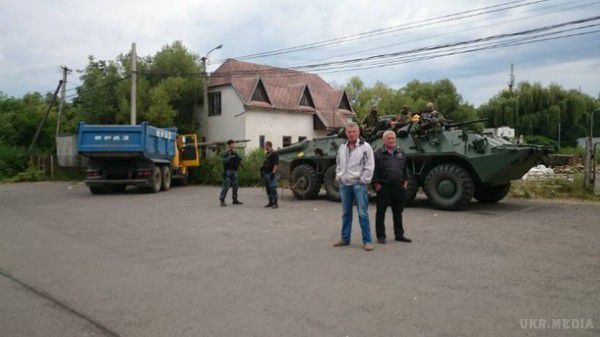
(430, 124)
(403, 118)
(371, 123)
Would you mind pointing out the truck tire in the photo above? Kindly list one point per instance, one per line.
(155, 182)
(411, 189)
(331, 186)
(166, 178)
(449, 187)
(486, 194)
(95, 190)
(305, 182)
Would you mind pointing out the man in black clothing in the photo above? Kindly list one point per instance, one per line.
(269, 174)
(390, 180)
(231, 163)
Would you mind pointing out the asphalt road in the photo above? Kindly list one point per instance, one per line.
(177, 264)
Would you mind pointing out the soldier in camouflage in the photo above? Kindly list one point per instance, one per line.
(402, 119)
(371, 122)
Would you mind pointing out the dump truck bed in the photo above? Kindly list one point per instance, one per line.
(122, 141)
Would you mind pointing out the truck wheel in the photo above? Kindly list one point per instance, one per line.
(449, 187)
(97, 190)
(305, 182)
(411, 189)
(331, 186)
(166, 178)
(156, 181)
(486, 194)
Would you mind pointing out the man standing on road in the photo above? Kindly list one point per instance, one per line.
(231, 163)
(354, 170)
(390, 180)
(269, 173)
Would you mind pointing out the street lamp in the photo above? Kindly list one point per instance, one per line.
(204, 116)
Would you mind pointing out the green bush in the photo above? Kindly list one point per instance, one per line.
(12, 161)
(30, 174)
(249, 173)
(210, 171)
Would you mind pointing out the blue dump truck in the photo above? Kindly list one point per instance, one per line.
(135, 155)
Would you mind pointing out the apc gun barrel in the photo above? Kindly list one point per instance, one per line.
(465, 123)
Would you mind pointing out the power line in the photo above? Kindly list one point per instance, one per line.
(487, 38)
(387, 30)
(465, 30)
(111, 83)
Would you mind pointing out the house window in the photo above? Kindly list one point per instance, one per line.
(287, 141)
(261, 141)
(306, 99)
(260, 93)
(344, 104)
(214, 103)
(301, 138)
(318, 123)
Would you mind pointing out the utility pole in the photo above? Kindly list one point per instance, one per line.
(133, 84)
(589, 173)
(63, 94)
(511, 78)
(559, 136)
(203, 118)
(43, 121)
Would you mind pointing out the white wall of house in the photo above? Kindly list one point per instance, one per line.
(251, 124)
(274, 125)
(227, 125)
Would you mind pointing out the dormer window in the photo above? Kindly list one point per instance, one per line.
(344, 103)
(306, 99)
(260, 93)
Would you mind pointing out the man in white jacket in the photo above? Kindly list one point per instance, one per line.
(354, 170)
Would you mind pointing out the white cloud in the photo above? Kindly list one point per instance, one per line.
(38, 36)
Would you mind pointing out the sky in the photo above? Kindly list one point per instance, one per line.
(36, 37)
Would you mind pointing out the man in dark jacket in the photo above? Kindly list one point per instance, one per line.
(269, 174)
(390, 180)
(231, 163)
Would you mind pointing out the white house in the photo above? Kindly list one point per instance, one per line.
(260, 103)
(500, 132)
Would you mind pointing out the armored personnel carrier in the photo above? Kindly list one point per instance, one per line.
(451, 164)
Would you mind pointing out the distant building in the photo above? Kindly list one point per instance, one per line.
(581, 141)
(500, 132)
(260, 103)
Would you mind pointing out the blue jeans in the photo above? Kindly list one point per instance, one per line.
(230, 180)
(359, 194)
(270, 180)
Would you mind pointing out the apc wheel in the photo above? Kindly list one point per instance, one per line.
(97, 190)
(166, 178)
(331, 186)
(411, 189)
(491, 194)
(305, 182)
(449, 187)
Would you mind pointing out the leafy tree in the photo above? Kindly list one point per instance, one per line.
(535, 110)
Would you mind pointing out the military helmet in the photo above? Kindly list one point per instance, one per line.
(430, 106)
